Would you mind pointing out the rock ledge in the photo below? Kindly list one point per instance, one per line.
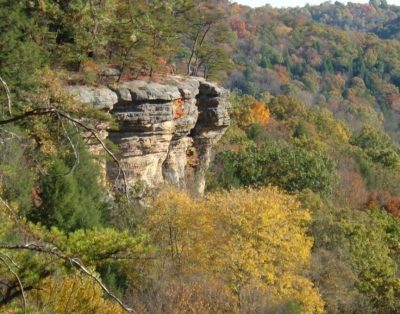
(166, 130)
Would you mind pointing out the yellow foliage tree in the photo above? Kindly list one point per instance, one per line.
(73, 294)
(249, 239)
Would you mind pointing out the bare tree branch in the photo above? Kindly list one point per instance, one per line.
(208, 27)
(18, 279)
(48, 111)
(108, 151)
(76, 262)
(36, 112)
(11, 260)
(8, 94)
(73, 261)
(74, 149)
(12, 135)
(189, 64)
(10, 209)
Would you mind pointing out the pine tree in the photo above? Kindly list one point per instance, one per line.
(71, 194)
(22, 38)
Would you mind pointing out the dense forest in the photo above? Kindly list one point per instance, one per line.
(302, 209)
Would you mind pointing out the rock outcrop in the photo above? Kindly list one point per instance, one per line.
(166, 130)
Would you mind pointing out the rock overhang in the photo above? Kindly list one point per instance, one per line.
(160, 125)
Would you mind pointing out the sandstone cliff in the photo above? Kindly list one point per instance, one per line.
(166, 130)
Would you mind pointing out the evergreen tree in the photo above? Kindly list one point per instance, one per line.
(22, 41)
(71, 194)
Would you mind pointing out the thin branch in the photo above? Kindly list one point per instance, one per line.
(209, 24)
(11, 260)
(47, 111)
(192, 52)
(13, 135)
(18, 279)
(33, 247)
(108, 151)
(73, 261)
(76, 262)
(72, 145)
(10, 209)
(9, 103)
(36, 112)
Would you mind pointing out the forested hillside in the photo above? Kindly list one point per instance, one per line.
(302, 206)
(365, 17)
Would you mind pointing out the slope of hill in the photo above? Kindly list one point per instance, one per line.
(353, 16)
(354, 74)
(302, 206)
(389, 30)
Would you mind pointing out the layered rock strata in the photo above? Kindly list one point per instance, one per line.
(166, 130)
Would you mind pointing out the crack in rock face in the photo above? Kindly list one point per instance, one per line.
(166, 130)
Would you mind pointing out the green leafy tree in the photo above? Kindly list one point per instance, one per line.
(147, 34)
(285, 107)
(207, 33)
(291, 168)
(367, 242)
(80, 30)
(378, 146)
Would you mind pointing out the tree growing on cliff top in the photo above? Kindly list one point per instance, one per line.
(207, 38)
(144, 34)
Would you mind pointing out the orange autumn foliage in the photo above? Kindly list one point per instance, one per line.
(393, 206)
(240, 27)
(383, 199)
(260, 113)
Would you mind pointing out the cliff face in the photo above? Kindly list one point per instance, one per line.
(166, 130)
